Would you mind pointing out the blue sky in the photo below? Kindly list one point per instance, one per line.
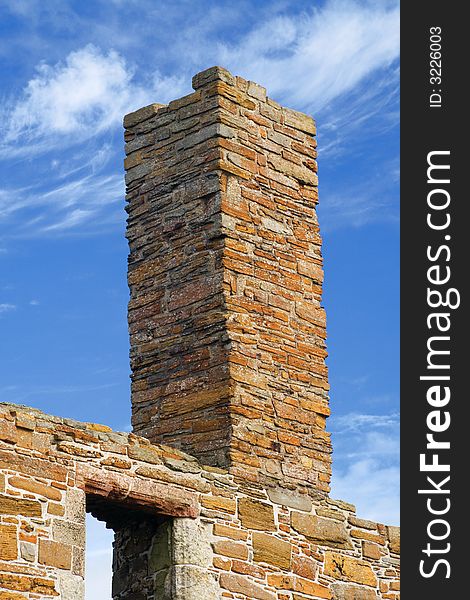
(70, 71)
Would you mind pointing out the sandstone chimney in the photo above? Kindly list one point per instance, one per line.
(225, 274)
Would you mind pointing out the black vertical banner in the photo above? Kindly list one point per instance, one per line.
(435, 266)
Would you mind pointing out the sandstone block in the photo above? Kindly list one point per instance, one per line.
(393, 534)
(346, 591)
(368, 535)
(246, 568)
(290, 499)
(21, 583)
(230, 532)
(299, 121)
(256, 515)
(363, 523)
(305, 567)
(11, 596)
(53, 508)
(228, 505)
(319, 529)
(241, 585)
(55, 554)
(8, 542)
(231, 549)
(147, 112)
(19, 507)
(348, 568)
(371, 550)
(34, 487)
(271, 550)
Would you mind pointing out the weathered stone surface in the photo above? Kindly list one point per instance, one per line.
(142, 114)
(271, 550)
(347, 591)
(348, 568)
(28, 551)
(68, 532)
(394, 539)
(305, 567)
(190, 543)
(363, 523)
(18, 506)
(290, 499)
(159, 557)
(75, 505)
(8, 542)
(256, 515)
(55, 554)
(71, 586)
(193, 583)
(241, 585)
(35, 488)
(319, 529)
(21, 583)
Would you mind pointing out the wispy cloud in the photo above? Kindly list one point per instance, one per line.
(312, 58)
(356, 422)
(366, 463)
(372, 487)
(5, 308)
(78, 98)
(19, 394)
(374, 197)
(92, 200)
(308, 60)
(337, 61)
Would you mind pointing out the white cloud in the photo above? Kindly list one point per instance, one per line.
(357, 422)
(366, 464)
(307, 60)
(312, 58)
(372, 487)
(373, 198)
(5, 307)
(333, 62)
(91, 200)
(84, 95)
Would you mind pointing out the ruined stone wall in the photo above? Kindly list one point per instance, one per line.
(228, 361)
(225, 272)
(183, 531)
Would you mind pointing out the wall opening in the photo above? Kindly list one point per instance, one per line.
(128, 552)
(99, 560)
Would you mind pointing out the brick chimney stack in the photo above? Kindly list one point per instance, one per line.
(225, 274)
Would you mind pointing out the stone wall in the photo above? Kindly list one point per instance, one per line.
(183, 531)
(228, 361)
(225, 272)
